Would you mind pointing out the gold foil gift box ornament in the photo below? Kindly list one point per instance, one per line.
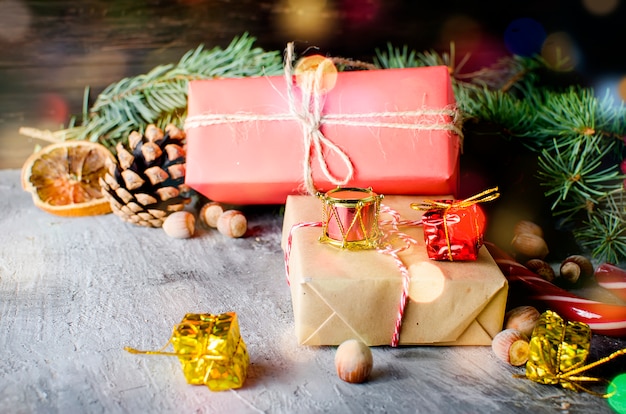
(210, 350)
(350, 218)
(558, 351)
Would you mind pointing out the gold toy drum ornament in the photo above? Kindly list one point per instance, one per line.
(350, 218)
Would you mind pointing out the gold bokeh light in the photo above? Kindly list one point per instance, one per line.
(601, 7)
(309, 20)
(560, 52)
(621, 88)
(431, 283)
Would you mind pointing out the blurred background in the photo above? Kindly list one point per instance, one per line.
(52, 50)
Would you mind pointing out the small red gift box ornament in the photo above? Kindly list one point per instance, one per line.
(453, 230)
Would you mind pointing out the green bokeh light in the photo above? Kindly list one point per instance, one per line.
(617, 401)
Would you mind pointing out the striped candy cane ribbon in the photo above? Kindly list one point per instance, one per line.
(394, 252)
(290, 242)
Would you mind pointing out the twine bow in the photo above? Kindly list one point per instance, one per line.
(309, 113)
(487, 195)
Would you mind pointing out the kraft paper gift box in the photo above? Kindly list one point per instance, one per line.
(244, 146)
(340, 294)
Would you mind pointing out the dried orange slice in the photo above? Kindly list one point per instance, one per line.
(63, 178)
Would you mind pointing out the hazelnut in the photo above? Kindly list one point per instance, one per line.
(575, 268)
(180, 225)
(232, 223)
(210, 213)
(541, 268)
(523, 319)
(530, 245)
(511, 346)
(353, 361)
(526, 226)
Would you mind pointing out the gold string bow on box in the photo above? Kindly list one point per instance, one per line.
(210, 350)
(558, 351)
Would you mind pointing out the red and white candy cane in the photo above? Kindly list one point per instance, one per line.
(602, 318)
(612, 278)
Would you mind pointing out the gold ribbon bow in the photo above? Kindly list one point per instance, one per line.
(487, 195)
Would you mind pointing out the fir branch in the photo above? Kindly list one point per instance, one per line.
(569, 114)
(512, 115)
(574, 171)
(510, 74)
(611, 117)
(394, 58)
(604, 232)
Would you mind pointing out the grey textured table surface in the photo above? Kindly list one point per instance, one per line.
(75, 291)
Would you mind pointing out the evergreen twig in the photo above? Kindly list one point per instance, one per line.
(604, 232)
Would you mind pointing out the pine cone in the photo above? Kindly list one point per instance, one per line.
(147, 182)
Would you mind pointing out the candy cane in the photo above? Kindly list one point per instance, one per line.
(612, 278)
(602, 318)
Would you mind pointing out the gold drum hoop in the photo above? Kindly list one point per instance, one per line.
(350, 217)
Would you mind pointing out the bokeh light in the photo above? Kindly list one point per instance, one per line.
(524, 37)
(610, 86)
(560, 52)
(15, 19)
(600, 7)
(307, 20)
(471, 40)
(360, 12)
(465, 32)
(309, 68)
(621, 88)
(617, 400)
(53, 108)
(428, 288)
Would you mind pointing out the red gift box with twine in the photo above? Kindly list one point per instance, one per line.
(258, 140)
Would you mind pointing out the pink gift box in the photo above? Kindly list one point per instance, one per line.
(394, 127)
